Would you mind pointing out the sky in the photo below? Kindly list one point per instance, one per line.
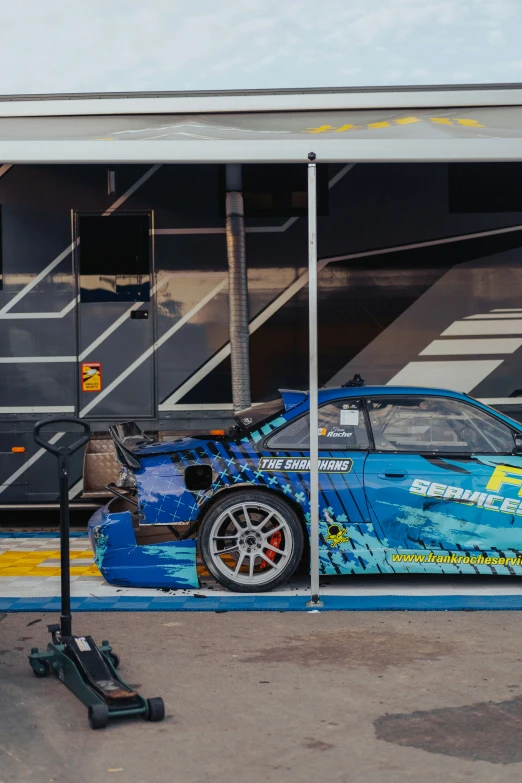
(68, 46)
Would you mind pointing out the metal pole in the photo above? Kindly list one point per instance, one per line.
(237, 289)
(313, 382)
(65, 616)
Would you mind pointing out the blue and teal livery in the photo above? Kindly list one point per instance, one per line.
(411, 480)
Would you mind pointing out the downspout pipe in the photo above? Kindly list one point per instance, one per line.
(237, 289)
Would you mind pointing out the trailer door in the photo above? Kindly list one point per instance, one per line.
(115, 321)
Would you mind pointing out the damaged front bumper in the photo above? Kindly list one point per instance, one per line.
(125, 562)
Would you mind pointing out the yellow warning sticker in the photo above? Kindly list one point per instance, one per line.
(91, 377)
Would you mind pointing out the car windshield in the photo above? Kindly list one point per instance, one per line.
(252, 417)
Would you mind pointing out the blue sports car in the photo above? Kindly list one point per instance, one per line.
(410, 480)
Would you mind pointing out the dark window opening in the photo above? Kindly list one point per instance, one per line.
(484, 187)
(114, 258)
(1, 253)
(278, 190)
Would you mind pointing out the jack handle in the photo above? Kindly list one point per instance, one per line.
(62, 451)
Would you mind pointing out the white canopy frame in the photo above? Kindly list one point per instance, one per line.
(313, 382)
(346, 150)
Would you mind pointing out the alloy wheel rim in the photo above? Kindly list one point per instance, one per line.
(242, 543)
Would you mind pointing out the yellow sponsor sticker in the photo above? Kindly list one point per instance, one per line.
(91, 377)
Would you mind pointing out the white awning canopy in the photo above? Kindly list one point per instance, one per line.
(425, 127)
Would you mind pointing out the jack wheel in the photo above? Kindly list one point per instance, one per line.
(155, 709)
(44, 669)
(98, 716)
(115, 659)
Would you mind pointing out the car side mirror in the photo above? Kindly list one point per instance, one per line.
(518, 444)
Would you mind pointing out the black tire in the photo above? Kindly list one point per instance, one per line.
(155, 709)
(98, 716)
(115, 659)
(46, 666)
(293, 541)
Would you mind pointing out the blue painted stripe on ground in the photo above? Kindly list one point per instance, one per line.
(237, 603)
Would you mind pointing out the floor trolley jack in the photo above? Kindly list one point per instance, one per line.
(87, 670)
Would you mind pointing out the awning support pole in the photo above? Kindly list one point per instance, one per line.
(313, 383)
(237, 289)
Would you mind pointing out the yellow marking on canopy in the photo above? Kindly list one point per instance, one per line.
(319, 129)
(347, 128)
(470, 123)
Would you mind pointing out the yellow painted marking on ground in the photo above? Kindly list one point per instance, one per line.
(407, 120)
(45, 554)
(32, 563)
(347, 128)
(379, 125)
(470, 123)
(17, 563)
(441, 120)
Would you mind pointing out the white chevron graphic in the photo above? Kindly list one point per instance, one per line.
(463, 374)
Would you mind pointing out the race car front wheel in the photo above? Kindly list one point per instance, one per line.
(251, 542)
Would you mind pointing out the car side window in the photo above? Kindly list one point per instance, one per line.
(342, 427)
(434, 424)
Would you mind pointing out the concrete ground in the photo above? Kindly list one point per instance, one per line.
(291, 697)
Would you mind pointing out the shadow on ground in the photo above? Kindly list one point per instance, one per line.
(485, 731)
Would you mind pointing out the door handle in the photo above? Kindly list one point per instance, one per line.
(393, 474)
(139, 315)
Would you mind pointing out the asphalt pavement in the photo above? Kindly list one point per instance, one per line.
(296, 697)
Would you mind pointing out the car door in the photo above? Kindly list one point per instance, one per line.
(443, 486)
(346, 541)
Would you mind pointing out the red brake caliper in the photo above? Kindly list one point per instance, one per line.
(275, 540)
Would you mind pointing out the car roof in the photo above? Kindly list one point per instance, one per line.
(386, 391)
